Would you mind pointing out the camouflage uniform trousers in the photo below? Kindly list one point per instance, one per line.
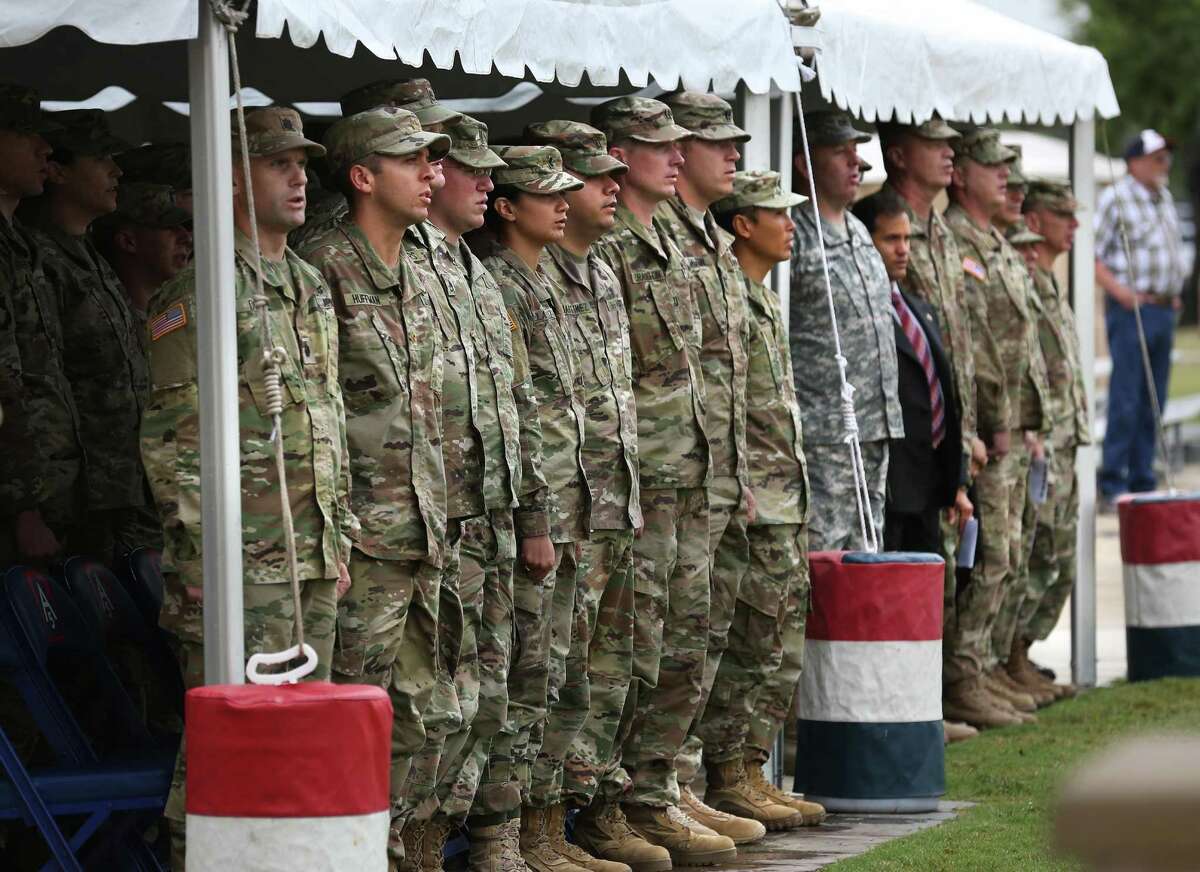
(776, 701)
(603, 646)
(1023, 515)
(729, 556)
(269, 618)
(671, 590)
(486, 587)
(967, 647)
(833, 523)
(1052, 563)
(776, 572)
(506, 778)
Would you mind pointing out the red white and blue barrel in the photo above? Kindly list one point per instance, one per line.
(1160, 549)
(870, 699)
(287, 778)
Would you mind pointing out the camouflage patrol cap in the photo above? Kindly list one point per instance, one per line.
(415, 95)
(469, 144)
(641, 119)
(1019, 233)
(85, 132)
(148, 204)
(1016, 173)
(161, 163)
(934, 128)
(832, 127)
(21, 110)
(535, 169)
(707, 116)
(583, 148)
(762, 189)
(1054, 196)
(383, 130)
(273, 129)
(982, 145)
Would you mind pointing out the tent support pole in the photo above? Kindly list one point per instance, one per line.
(216, 337)
(781, 162)
(1083, 294)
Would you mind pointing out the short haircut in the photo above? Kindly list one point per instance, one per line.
(341, 176)
(725, 219)
(882, 204)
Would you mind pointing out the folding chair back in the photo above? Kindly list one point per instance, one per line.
(144, 580)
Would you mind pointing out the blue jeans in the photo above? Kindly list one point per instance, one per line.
(1130, 442)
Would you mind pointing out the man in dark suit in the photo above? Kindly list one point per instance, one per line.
(926, 474)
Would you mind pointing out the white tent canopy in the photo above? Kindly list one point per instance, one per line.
(912, 58)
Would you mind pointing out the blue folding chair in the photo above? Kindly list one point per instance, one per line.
(142, 576)
(38, 624)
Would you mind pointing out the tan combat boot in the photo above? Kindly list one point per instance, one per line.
(669, 828)
(411, 837)
(556, 828)
(496, 848)
(812, 813)
(969, 701)
(997, 686)
(602, 831)
(1027, 678)
(1041, 693)
(742, 830)
(731, 791)
(953, 731)
(433, 844)
(536, 846)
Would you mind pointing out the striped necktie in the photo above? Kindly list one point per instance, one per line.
(916, 338)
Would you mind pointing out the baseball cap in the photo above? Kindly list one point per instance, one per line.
(641, 119)
(161, 163)
(832, 127)
(85, 132)
(1020, 234)
(707, 116)
(469, 144)
(415, 95)
(273, 129)
(535, 169)
(383, 130)
(759, 188)
(1016, 173)
(1147, 142)
(1055, 196)
(21, 110)
(583, 148)
(982, 145)
(147, 204)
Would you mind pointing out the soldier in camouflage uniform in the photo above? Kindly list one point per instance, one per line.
(41, 451)
(767, 634)
(302, 323)
(1008, 404)
(390, 365)
(671, 559)
(1051, 208)
(162, 163)
(415, 95)
(526, 212)
(103, 354)
(709, 159)
(862, 300)
(599, 664)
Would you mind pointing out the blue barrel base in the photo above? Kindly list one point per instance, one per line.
(895, 768)
(1162, 652)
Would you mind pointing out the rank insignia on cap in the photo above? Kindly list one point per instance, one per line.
(287, 124)
(169, 321)
(974, 268)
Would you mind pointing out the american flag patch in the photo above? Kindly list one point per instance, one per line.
(172, 319)
(975, 268)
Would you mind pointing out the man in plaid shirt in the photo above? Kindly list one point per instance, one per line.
(1151, 272)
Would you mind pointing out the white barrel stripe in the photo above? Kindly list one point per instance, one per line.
(1162, 594)
(352, 842)
(871, 682)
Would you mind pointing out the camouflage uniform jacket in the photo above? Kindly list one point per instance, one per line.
(935, 275)
(105, 364)
(599, 330)
(390, 369)
(862, 300)
(1067, 398)
(1009, 371)
(720, 301)
(43, 455)
(543, 354)
(303, 324)
(774, 437)
(321, 217)
(665, 342)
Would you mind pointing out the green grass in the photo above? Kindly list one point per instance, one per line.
(1185, 375)
(1014, 774)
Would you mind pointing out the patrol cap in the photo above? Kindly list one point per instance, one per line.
(1054, 196)
(21, 110)
(84, 132)
(383, 130)
(535, 169)
(161, 163)
(469, 144)
(1020, 234)
(982, 145)
(1016, 173)
(583, 148)
(1147, 142)
(832, 127)
(934, 128)
(415, 95)
(149, 205)
(762, 189)
(707, 116)
(641, 119)
(273, 129)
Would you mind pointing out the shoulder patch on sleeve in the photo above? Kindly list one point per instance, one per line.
(974, 268)
(169, 321)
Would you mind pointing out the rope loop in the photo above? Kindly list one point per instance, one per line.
(229, 14)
